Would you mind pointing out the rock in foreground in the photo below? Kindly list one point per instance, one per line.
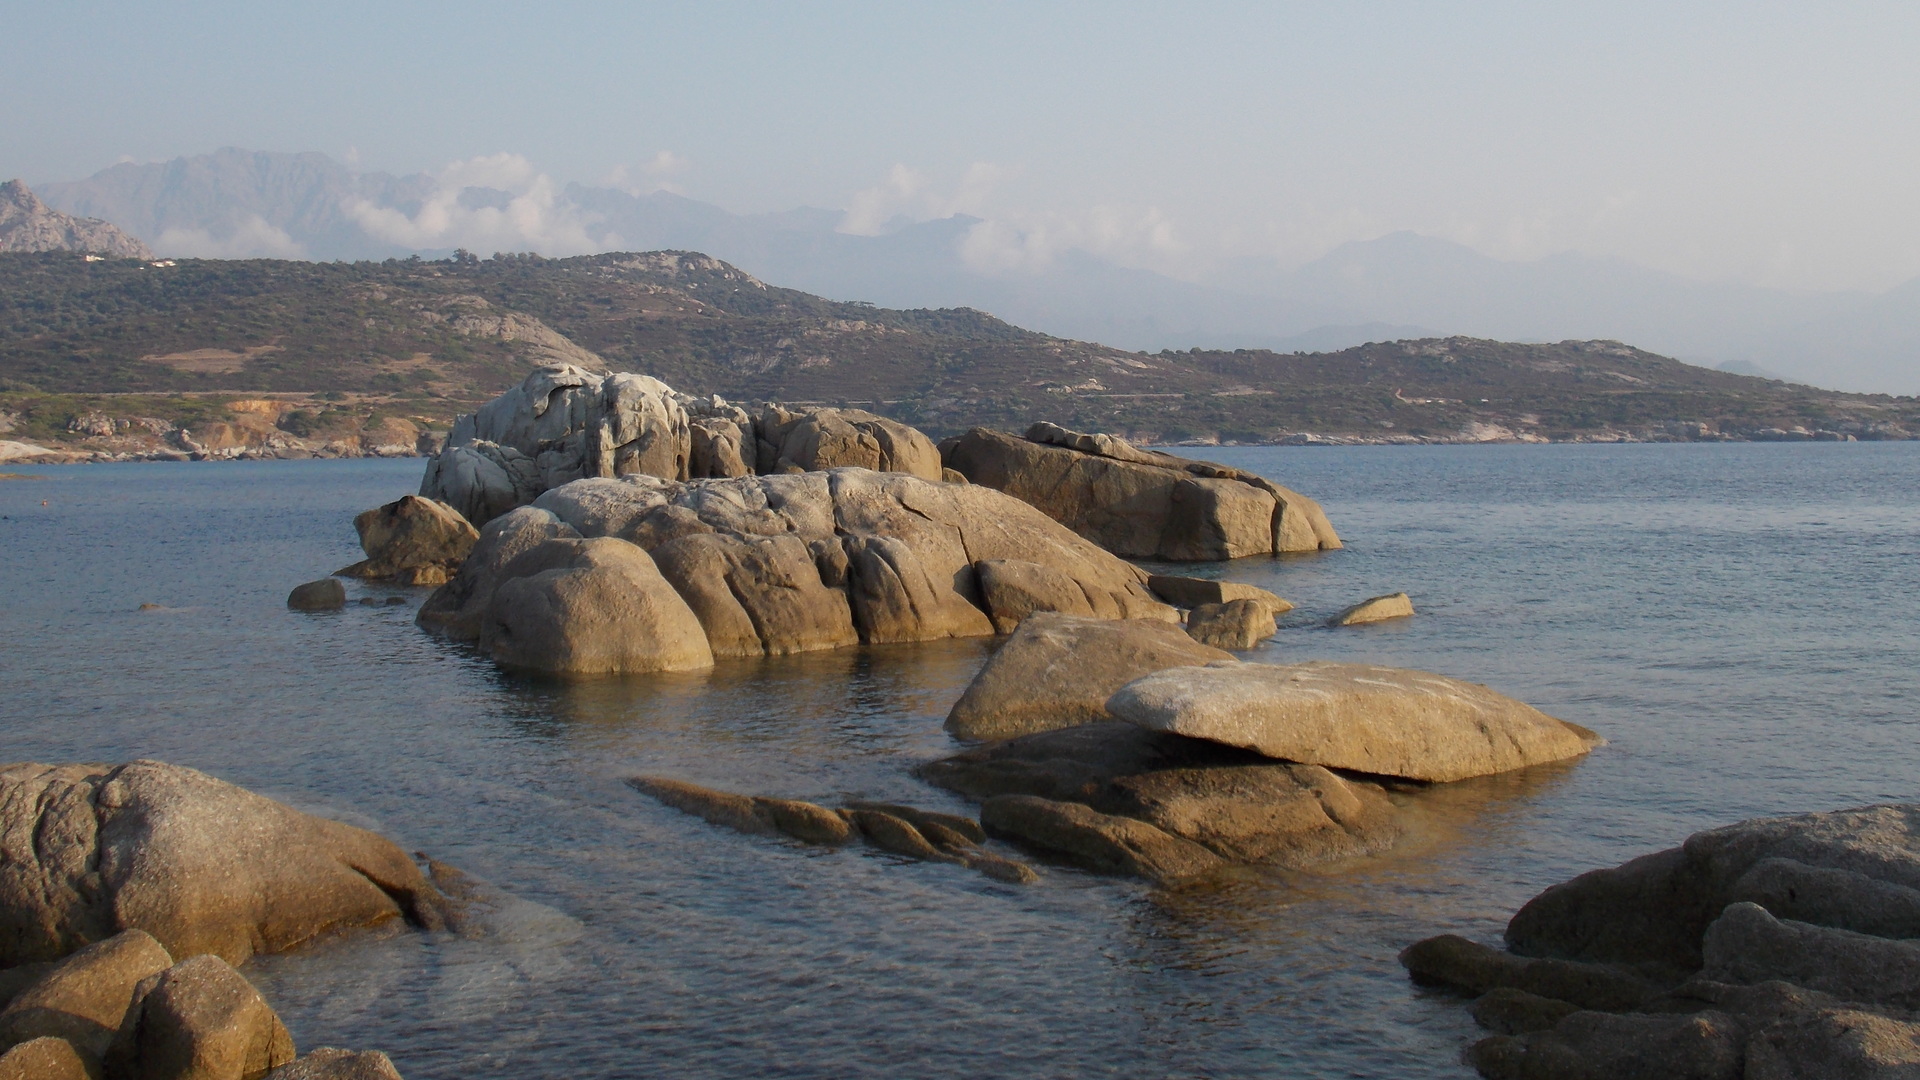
(1142, 504)
(1369, 719)
(89, 851)
(1058, 671)
(1772, 948)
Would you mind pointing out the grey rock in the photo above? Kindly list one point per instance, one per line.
(591, 607)
(1748, 945)
(323, 595)
(27, 224)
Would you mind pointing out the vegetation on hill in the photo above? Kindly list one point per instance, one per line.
(429, 339)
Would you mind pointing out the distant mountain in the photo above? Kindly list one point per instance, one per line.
(240, 203)
(27, 224)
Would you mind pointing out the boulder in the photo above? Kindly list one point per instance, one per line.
(458, 609)
(412, 540)
(1746, 944)
(720, 448)
(84, 998)
(45, 1058)
(332, 1063)
(199, 1020)
(1377, 609)
(1236, 624)
(1012, 589)
(1058, 671)
(1362, 717)
(323, 595)
(1451, 960)
(1142, 504)
(591, 607)
(1605, 1046)
(481, 480)
(1192, 592)
(1103, 843)
(757, 595)
(89, 851)
(812, 440)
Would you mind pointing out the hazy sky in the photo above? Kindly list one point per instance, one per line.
(1765, 142)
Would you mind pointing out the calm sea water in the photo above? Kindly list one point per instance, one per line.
(1739, 621)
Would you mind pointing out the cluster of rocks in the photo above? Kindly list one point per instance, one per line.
(890, 827)
(1129, 747)
(1141, 503)
(1775, 949)
(129, 894)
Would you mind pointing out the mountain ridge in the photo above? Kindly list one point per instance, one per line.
(29, 225)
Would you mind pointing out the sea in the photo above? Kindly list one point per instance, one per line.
(1738, 620)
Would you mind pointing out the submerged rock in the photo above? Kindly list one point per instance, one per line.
(1058, 671)
(323, 595)
(89, 851)
(1362, 717)
(1100, 842)
(1142, 504)
(412, 540)
(1236, 624)
(1377, 609)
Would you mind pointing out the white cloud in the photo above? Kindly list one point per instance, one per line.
(1131, 236)
(657, 174)
(253, 238)
(532, 219)
(907, 192)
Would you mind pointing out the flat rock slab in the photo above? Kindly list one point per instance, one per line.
(1191, 592)
(1376, 609)
(1359, 717)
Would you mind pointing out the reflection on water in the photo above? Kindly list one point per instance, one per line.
(1734, 619)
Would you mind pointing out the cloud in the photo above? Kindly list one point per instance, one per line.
(909, 193)
(1131, 236)
(530, 217)
(253, 238)
(656, 175)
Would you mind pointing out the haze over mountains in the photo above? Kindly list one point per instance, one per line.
(235, 203)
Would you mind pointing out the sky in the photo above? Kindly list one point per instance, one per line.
(1768, 143)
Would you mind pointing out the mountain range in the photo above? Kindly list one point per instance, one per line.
(27, 224)
(241, 203)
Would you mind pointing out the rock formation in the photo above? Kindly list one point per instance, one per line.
(412, 541)
(591, 607)
(1771, 948)
(1236, 624)
(1058, 670)
(771, 565)
(1371, 719)
(566, 423)
(27, 224)
(89, 851)
(1375, 609)
(1138, 503)
(323, 595)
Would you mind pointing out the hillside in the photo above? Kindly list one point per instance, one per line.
(27, 224)
(427, 339)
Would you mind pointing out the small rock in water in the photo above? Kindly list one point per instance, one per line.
(1377, 609)
(323, 595)
(1236, 624)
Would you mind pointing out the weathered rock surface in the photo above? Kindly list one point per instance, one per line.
(45, 1058)
(85, 996)
(1192, 592)
(89, 851)
(199, 1020)
(412, 540)
(1012, 589)
(1142, 504)
(770, 565)
(323, 595)
(1236, 624)
(813, 440)
(332, 1063)
(1766, 921)
(1362, 717)
(481, 480)
(898, 830)
(1236, 806)
(1376, 609)
(1058, 671)
(591, 607)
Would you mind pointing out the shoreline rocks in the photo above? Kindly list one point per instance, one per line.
(1376, 609)
(1236, 624)
(411, 541)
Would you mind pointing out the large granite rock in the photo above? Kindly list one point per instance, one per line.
(591, 607)
(811, 440)
(412, 540)
(1114, 798)
(1142, 504)
(45, 1058)
(89, 851)
(481, 480)
(333, 1063)
(1370, 719)
(1774, 948)
(198, 1020)
(84, 998)
(1058, 670)
(770, 565)
(1193, 592)
(1236, 624)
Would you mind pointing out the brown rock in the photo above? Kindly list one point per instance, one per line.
(1058, 671)
(929, 822)
(1451, 960)
(323, 595)
(1847, 1044)
(458, 609)
(1362, 717)
(87, 851)
(1746, 944)
(719, 448)
(757, 595)
(199, 1020)
(1099, 842)
(1704, 1046)
(412, 539)
(83, 999)
(1377, 609)
(1284, 815)
(1074, 764)
(1013, 589)
(892, 834)
(1192, 592)
(757, 816)
(591, 607)
(1236, 624)
(45, 1058)
(813, 440)
(331, 1063)
(804, 820)
(1508, 1011)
